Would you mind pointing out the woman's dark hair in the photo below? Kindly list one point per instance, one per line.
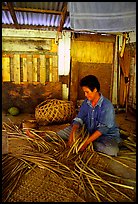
(91, 82)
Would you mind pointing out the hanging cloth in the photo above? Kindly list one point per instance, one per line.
(103, 16)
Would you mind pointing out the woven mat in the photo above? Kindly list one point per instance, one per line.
(42, 185)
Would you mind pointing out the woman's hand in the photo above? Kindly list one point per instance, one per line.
(93, 137)
(70, 141)
(72, 135)
(84, 146)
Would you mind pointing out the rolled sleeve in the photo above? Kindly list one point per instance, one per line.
(78, 121)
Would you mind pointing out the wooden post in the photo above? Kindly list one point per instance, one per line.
(42, 69)
(50, 69)
(24, 70)
(55, 69)
(74, 82)
(29, 68)
(16, 65)
(6, 68)
(34, 69)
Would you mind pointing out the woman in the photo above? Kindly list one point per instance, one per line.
(98, 116)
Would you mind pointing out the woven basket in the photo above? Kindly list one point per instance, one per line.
(54, 111)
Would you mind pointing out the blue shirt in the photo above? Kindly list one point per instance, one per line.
(101, 118)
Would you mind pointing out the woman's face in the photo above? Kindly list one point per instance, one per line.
(90, 95)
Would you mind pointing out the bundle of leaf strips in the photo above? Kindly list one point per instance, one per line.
(86, 173)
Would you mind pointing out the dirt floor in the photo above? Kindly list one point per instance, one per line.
(125, 121)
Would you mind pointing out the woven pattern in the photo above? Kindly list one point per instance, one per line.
(54, 111)
(42, 185)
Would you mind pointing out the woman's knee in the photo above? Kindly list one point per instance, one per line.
(109, 149)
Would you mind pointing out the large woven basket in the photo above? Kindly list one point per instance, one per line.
(54, 111)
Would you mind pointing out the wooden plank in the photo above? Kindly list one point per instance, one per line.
(21, 69)
(23, 55)
(6, 68)
(122, 91)
(42, 69)
(34, 69)
(113, 87)
(17, 33)
(54, 46)
(29, 69)
(94, 38)
(50, 69)
(16, 65)
(96, 52)
(38, 69)
(7, 55)
(24, 70)
(47, 68)
(12, 69)
(36, 56)
(48, 56)
(55, 74)
(134, 88)
(33, 10)
(23, 44)
(55, 69)
(55, 61)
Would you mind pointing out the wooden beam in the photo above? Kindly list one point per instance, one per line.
(63, 17)
(33, 10)
(34, 27)
(13, 15)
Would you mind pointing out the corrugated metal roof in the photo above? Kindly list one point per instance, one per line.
(36, 18)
